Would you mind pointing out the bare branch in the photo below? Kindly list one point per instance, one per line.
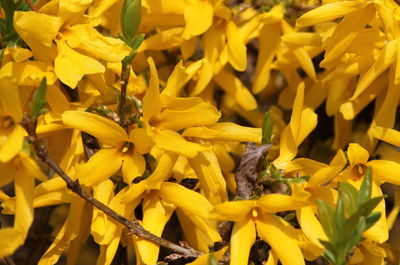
(133, 226)
(125, 74)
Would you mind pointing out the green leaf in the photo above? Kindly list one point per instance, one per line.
(9, 8)
(268, 125)
(137, 41)
(130, 19)
(356, 235)
(366, 188)
(339, 213)
(349, 195)
(39, 100)
(367, 207)
(326, 216)
(372, 219)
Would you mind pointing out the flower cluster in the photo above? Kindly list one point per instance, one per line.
(155, 110)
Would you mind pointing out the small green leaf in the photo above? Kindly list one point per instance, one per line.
(366, 188)
(372, 219)
(326, 216)
(339, 213)
(295, 180)
(137, 41)
(367, 207)
(268, 125)
(349, 195)
(130, 19)
(356, 235)
(39, 100)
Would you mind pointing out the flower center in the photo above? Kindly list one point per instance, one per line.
(7, 125)
(358, 171)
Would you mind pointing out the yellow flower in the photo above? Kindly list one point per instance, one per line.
(252, 216)
(11, 133)
(124, 150)
(163, 115)
(65, 24)
(382, 171)
(302, 122)
(23, 170)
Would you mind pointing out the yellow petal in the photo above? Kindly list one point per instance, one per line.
(134, 192)
(10, 100)
(305, 61)
(143, 142)
(388, 135)
(173, 142)
(162, 171)
(272, 258)
(356, 154)
(385, 170)
(302, 38)
(166, 39)
(346, 32)
(100, 166)
(379, 231)
(207, 169)
(204, 259)
(14, 239)
(133, 166)
(156, 214)
(193, 16)
(242, 238)
(204, 78)
(85, 38)
(189, 201)
(295, 120)
(281, 236)
(304, 166)
(288, 148)
(192, 234)
(385, 59)
(269, 39)
(107, 251)
(151, 101)
(232, 211)
(209, 228)
(102, 191)
(13, 144)
(104, 129)
(225, 131)
(56, 99)
(180, 76)
(327, 12)
(29, 73)
(46, 28)
(234, 87)
(273, 203)
(71, 8)
(70, 66)
(19, 54)
(23, 186)
(310, 225)
(180, 116)
(236, 47)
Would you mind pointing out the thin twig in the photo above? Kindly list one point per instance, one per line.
(125, 74)
(31, 5)
(133, 226)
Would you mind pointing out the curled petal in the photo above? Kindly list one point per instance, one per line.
(107, 131)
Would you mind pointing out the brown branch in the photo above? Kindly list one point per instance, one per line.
(31, 5)
(125, 74)
(133, 226)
